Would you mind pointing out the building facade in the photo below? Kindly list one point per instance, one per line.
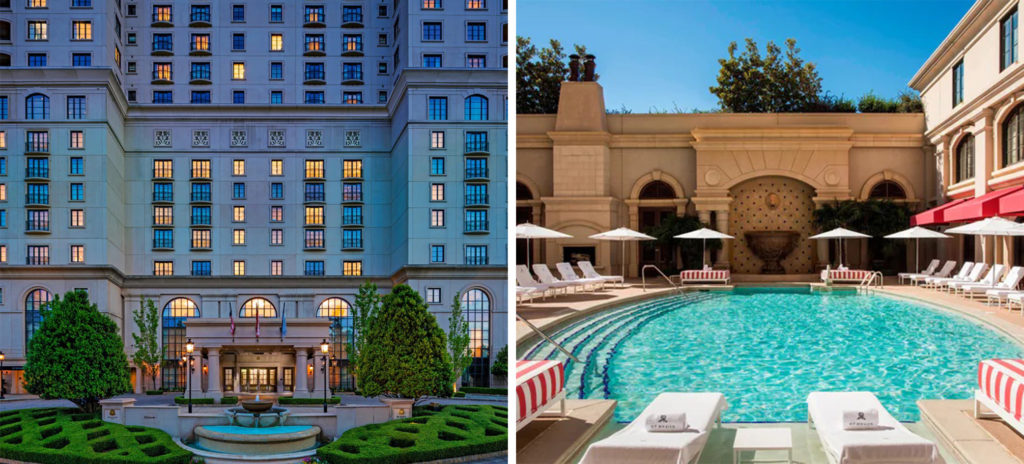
(229, 159)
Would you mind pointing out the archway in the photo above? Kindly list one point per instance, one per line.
(772, 203)
(656, 204)
(339, 312)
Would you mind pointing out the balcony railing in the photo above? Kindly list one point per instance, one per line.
(475, 146)
(200, 220)
(199, 17)
(37, 146)
(163, 18)
(314, 18)
(163, 46)
(476, 260)
(314, 75)
(37, 198)
(350, 18)
(352, 76)
(201, 197)
(314, 197)
(352, 220)
(37, 260)
(163, 244)
(352, 244)
(162, 76)
(352, 196)
(314, 244)
(37, 225)
(476, 199)
(200, 74)
(476, 173)
(37, 173)
(476, 225)
(163, 196)
(315, 48)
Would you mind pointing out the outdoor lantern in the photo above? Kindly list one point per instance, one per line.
(2, 357)
(309, 369)
(324, 346)
(206, 369)
(189, 346)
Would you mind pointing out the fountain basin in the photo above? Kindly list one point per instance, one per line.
(772, 246)
(269, 417)
(257, 406)
(251, 441)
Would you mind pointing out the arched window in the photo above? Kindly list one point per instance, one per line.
(476, 108)
(657, 190)
(258, 305)
(35, 302)
(523, 192)
(889, 190)
(5, 30)
(176, 311)
(1013, 136)
(476, 304)
(37, 106)
(965, 158)
(339, 311)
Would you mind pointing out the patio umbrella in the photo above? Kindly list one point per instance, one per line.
(532, 231)
(839, 233)
(917, 233)
(989, 226)
(704, 234)
(622, 234)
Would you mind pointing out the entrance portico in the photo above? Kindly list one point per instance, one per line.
(277, 362)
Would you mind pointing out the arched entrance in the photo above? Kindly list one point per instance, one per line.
(650, 215)
(524, 213)
(772, 203)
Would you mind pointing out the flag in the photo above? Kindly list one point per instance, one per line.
(231, 314)
(284, 326)
(257, 323)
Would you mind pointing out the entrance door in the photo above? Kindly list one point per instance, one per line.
(258, 379)
(650, 253)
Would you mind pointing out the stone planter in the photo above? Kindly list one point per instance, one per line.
(401, 408)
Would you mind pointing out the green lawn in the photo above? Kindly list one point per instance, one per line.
(63, 436)
(430, 435)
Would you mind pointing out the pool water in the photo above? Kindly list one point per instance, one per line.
(766, 349)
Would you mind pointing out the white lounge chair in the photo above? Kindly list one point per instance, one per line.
(945, 271)
(527, 293)
(889, 442)
(991, 278)
(973, 276)
(590, 273)
(634, 444)
(932, 266)
(546, 277)
(1017, 298)
(569, 275)
(1008, 284)
(933, 283)
(525, 279)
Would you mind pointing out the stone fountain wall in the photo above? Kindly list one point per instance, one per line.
(772, 203)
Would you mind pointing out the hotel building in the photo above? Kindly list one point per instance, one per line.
(229, 159)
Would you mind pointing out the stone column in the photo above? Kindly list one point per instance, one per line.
(195, 379)
(301, 390)
(705, 218)
(722, 225)
(213, 387)
(318, 377)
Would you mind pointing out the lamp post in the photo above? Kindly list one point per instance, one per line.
(324, 348)
(189, 348)
(2, 357)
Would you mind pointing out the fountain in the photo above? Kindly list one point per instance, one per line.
(257, 428)
(772, 246)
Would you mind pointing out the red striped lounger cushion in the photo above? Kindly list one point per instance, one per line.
(1002, 380)
(697, 274)
(537, 383)
(851, 274)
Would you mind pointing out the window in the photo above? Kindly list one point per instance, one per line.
(3, 218)
(314, 14)
(352, 268)
(276, 97)
(382, 40)
(382, 11)
(163, 191)
(132, 96)
(163, 215)
(431, 61)
(476, 108)
(132, 40)
(314, 191)
(201, 268)
(433, 295)
(437, 218)
(352, 71)
(238, 71)
(314, 71)
(314, 98)
(436, 192)
(314, 268)
(276, 13)
(351, 191)
(476, 168)
(1008, 40)
(201, 169)
(3, 192)
(238, 97)
(314, 169)
(238, 214)
(163, 268)
(162, 96)
(352, 168)
(237, 42)
(38, 220)
(276, 70)
(3, 253)
(200, 214)
(161, 13)
(276, 268)
(277, 236)
(476, 61)
(3, 107)
(35, 302)
(238, 191)
(276, 42)
(352, 215)
(431, 4)
(200, 42)
(437, 108)
(352, 239)
(237, 13)
(353, 42)
(958, 83)
(200, 13)
(437, 166)
(81, 30)
(162, 42)
(76, 107)
(38, 141)
(162, 71)
(276, 213)
(314, 42)
(276, 167)
(262, 306)
(200, 71)
(200, 97)
(201, 238)
(81, 59)
(37, 30)
(36, 60)
(276, 191)
(81, 3)
(1013, 136)
(476, 255)
(77, 192)
(476, 32)
(352, 98)
(314, 215)
(965, 158)
(437, 139)
(475, 4)
(162, 169)
(437, 253)
(77, 254)
(314, 238)
(432, 32)
(476, 194)
(37, 255)
(3, 144)
(382, 68)
(238, 268)
(238, 237)
(37, 106)
(382, 96)
(76, 140)
(352, 14)
(476, 141)
(477, 306)
(77, 218)
(3, 161)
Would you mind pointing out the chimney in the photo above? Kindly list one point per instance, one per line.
(574, 68)
(588, 69)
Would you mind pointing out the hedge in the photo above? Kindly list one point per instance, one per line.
(184, 400)
(485, 391)
(459, 394)
(154, 392)
(229, 400)
(286, 400)
(454, 431)
(62, 436)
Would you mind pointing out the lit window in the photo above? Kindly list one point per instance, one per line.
(437, 218)
(201, 42)
(436, 192)
(238, 237)
(314, 14)
(162, 71)
(163, 268)
(201, 169)
(314, 215)
(352, 98)
(77, 139)
(238, 71)
(276, 167)
(276, 236)
(38, 255)
(353, 168)
(37, 3)
(276, 213)
(314, 169)
(276, 42)
(3, 139)
(475, 4)
(314, 238)
(200, 238)
(437, 139)
(476, 61)
(351, 191)
(276, 268)
(352, 268)
(37, 30)
(3, 192)
(314, 42)
(238, 167)
(163, 215)
(238, 214)
(238, 268)
(258, 305)
(431, 4)
(77, 253)
(81, 30)
(161, 13)
(353, 42)
(3, 253)
(162, 169)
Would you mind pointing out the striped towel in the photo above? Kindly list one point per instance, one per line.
(698, 274)
(537, 383)
(847, 275)
(1002, 380)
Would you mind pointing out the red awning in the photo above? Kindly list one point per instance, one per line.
(982, 207)
(1012, 204)
(934, 215)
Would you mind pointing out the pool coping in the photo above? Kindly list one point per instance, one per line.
(1011, 331)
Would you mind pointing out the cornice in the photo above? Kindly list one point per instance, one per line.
(951, 46)
(580, 137)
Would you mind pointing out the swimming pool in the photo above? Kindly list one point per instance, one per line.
(766, 349)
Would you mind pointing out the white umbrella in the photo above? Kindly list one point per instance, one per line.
(704, 234)
(989, 226)
(622, 234)
(840, 233)
(530, 231)
(917, 233)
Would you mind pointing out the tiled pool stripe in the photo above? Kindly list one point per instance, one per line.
(585, 326)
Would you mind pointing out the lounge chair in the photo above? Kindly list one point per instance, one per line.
(932, 266)
(634, 444)
(527, 293)
(525, 279)
(973, 276)
(721, 276)
(590, 273)
(546, 277)
(539, 384)
(569, 275)
(991, 278)
(998, 382)
(944, 272)
(1015, 298)
(1008, 284)
(889, 442)
(933, 282)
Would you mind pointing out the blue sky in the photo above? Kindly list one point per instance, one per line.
(664, 53)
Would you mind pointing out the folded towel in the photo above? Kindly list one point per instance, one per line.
(860, 420)
(707, 268)
(666, 422)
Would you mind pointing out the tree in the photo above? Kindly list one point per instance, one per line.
(76, 354)
(691, 251)
(458, 340)
(147, 350)
(539, 75)
(404, 351)
(873, 217)
(364, 311)
(750, 83)
(500, 366)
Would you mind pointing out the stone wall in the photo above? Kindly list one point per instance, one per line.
(790, 208)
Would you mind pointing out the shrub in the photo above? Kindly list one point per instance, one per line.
(485, 390)
(500, 366)
(459, 394)
(154, 392)
(287, 400)
(184, 400)
(229, 400)
(425, 437)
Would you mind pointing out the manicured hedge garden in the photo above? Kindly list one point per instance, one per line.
(62, 436)
(453, 431)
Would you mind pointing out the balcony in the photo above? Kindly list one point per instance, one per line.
(200, 48)
(163, 245)
(314, 78)
(352, 197)
(477, 147)
(314, 197)
(314, 222)
(351, 245)
(476, 173)
(37, 199)
(37, 226)
(476, 260)
(314, 174)
(314, 246)
(163, 19)
(352, 49)
(352, 78)
(37, 173)
(37, 147)
(315, 49)
(200, 78)
(163, 197)
(163, 221)
(200, 197)
(200, 221)
(199, 19)
(315, 19)
(478, 226)
(200, 174)
(162, 78)
(352, 20)
(162, 49)
(478, 199)
(352, 220)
